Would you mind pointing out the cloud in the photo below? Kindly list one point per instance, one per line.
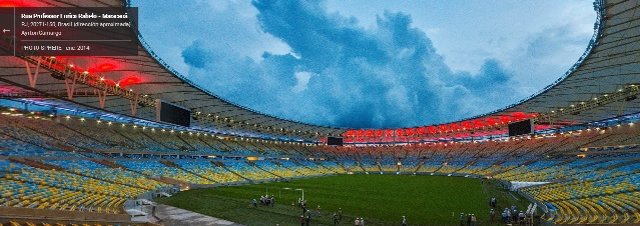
(341, 74)
(303, 80)
(225, 27)
(195, 55)
(547, 55)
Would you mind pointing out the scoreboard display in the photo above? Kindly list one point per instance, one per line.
(521, 128)
(174, 114)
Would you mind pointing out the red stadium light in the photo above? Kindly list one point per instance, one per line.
(17, 3)
(443, 128)
(389, 133)
(466, 125)
(130, 80)
(453, 126)
(478, 123)
(369, 133)
(409, 132)
(519, 115)
(104, 67)
(542, 127)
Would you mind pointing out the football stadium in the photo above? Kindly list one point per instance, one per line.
(120, 137)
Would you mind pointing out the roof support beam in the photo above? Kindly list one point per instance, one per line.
(134, 106)
(33, 77)
(70, 84)
(102, 97)
(70, 73)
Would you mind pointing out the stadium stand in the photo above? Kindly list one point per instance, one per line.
(78, 174)
(89, 168)
(213, 171)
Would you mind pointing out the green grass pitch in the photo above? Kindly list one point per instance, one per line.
(379, 199)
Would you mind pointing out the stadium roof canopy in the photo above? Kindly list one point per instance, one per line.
(145, 74)
(610, 66)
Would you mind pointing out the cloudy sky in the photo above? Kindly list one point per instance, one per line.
(369, 63)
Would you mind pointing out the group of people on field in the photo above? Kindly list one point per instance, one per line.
(508, 215)
(512, 215)
(470, 219)
(265, 200)
(307, 215)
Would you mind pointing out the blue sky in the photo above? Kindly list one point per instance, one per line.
(369, 63)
